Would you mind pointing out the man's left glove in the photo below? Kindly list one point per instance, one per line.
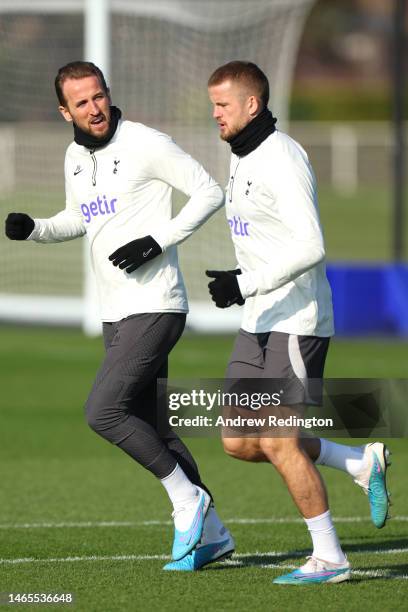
(225, 289)
(134, 254)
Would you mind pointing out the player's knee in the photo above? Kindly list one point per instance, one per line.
(278, 450)
(233, 447)
(107, 420)
(97, 418)
(240, 448)
(92, 417)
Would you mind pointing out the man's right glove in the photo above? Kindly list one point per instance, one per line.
(19, 226)
(134, 254)
(225, 289)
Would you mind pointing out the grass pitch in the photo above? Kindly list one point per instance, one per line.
(78, 516)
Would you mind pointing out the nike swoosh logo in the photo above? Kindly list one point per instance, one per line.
(78, 171)
(231, 302)
(321, 574)
(214, 548)
(146, 253)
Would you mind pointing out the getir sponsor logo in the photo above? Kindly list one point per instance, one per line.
(238, 227)
(102, 206)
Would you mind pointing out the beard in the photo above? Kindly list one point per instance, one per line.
(233, 132)
(96, 132)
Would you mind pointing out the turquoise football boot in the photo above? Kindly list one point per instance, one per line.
(373, 481)
(184, 541)
(202, 555)
(316, 571)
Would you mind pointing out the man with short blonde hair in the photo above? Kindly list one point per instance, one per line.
(272, 211)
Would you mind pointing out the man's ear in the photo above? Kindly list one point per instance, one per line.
(109, 96)
(65, 113)
(254, 106)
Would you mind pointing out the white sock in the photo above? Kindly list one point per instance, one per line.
(326, 545)
(179, 488)
(350, 459)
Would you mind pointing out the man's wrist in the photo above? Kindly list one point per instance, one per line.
(246, 285)
(36, 230)
(159, 237)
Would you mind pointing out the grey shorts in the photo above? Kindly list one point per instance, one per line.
(273, 361)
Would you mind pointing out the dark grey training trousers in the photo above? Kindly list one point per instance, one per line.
(123, 406)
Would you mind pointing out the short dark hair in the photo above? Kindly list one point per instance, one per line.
(247, 73)
(77, 70)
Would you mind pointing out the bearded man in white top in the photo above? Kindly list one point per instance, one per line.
(271, 206)
(119, 177)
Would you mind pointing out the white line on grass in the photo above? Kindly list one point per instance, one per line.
(291, 521)
(231, 521)
(387, 575)
(299, 553)
(85, 558)
(235, 562)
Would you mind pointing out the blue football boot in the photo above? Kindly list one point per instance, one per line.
(373, 481)
(216, 544)
(184, 541)
(316, 571)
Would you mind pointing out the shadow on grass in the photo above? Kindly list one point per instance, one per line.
(274, 560)
(377, 547)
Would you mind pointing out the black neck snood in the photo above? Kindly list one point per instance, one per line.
(253, 134)
(89, 141)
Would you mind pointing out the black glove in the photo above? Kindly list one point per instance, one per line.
(225, 289)
(19, 226)
(134, 254)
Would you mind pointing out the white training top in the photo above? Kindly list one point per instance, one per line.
(272, 211)
(121, 192)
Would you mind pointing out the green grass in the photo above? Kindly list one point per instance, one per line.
(359, 226)
(55, 470)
